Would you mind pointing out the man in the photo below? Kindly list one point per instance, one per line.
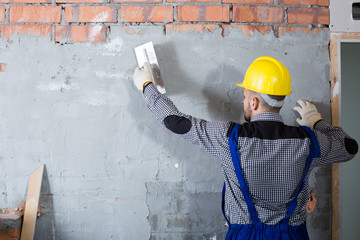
(265, 163)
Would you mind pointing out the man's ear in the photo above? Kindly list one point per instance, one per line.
(255, 103)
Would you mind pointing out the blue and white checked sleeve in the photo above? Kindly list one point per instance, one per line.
(210, 136)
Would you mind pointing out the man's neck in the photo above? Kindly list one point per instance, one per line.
(259, 111)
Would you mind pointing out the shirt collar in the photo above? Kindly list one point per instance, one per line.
(267, 116)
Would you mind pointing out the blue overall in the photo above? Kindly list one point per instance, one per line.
(258, 230)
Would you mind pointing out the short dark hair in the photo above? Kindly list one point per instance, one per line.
(271, 108)
(265, 105)
(276, 97)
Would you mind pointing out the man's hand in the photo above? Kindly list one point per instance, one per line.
(311, 204)
(308, 113)
(142, 76)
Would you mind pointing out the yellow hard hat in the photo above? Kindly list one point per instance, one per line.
(267, 75)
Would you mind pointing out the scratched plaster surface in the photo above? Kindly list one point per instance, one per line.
(112, 171)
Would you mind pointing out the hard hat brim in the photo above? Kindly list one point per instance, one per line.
(264, 92)
(240, 85)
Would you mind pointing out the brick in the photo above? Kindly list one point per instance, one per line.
(249, 1)
(258, 14)
(147, 14)
(309, 15)
(32, 14)
(284, 30)
(305, 2)
(190, 27)
(2, 13)
(132, 30)
(80, 1)
(2, 67)
(171, 1)
(90, 14)
(137, 1)
(25, 1)
(33, 30)
(203, 13)
(249, 30)
(65, 34)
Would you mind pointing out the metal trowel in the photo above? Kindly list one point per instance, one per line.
(146, 53)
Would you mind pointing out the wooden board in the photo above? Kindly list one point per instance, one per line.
(335, 111)
(32, 203)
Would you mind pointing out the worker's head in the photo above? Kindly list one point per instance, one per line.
(266, 84)
(255, 103)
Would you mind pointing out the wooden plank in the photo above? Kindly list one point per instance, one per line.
(335, 111)
(32, 203)
(335, 218)
(335, 121)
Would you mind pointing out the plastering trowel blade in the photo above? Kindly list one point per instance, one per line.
(146, 53)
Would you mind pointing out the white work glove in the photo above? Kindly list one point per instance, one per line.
(142, 76)
(308, 113)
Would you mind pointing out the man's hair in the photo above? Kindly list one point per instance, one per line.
(265, 105)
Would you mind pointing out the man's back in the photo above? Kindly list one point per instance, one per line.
(273, 158)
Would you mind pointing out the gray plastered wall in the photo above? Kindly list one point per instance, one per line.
(113, 171)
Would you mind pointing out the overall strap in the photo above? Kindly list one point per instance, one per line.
(233, 139)
(314, 153)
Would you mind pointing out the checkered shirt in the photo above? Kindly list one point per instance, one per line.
(272, 168)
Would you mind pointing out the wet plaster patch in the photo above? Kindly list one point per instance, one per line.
(174, 213)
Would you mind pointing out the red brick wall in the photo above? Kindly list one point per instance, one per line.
(78, 20)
